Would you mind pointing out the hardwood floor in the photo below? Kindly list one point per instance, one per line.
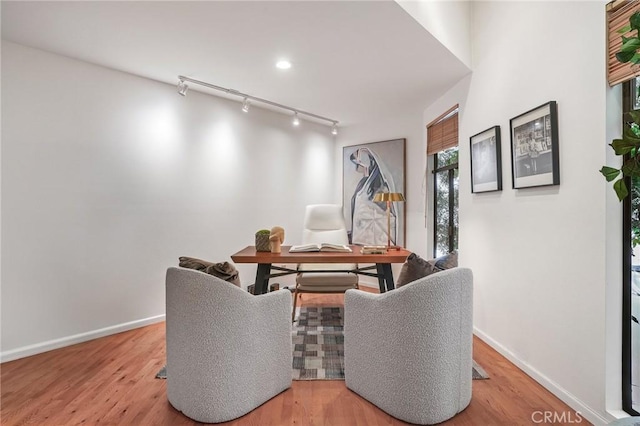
(111, 381)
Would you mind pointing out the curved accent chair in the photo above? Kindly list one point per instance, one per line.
(324, 223)
(409, 351)
(228, 351)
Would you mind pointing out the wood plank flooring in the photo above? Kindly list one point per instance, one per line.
(111, 381)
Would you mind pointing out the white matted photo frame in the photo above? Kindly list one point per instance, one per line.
(486, 161)
(535, 156)
(368, 169)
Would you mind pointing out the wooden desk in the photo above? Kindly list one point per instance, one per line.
(265, 261)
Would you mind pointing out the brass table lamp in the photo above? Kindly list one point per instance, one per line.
(389, 197)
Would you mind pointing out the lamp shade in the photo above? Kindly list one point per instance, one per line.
(388, 196)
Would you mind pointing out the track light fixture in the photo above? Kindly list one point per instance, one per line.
(183, 87)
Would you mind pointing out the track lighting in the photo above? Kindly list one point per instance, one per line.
(246, 102)
(182, 87)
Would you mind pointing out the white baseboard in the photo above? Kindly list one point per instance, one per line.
(38, 348)
(565, 396)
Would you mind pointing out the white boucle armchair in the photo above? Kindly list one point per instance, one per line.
(227, 351)
(409, 351)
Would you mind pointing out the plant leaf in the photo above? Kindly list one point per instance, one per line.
(634, 21)
(624, 56)
(631, 45)
(635, 116)
(621, 189)
(631, 168)
(609, 173)
(624, 29)
(622, 146)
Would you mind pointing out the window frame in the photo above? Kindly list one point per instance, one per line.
(627, 254)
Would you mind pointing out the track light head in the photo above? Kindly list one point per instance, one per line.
(245, 105)
(182, 88)
(334, 129)
(296, 120)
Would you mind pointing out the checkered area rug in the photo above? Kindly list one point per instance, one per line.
(318, 343)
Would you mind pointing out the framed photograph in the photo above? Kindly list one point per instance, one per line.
(366, 170)
(535, 157)
(486, 163)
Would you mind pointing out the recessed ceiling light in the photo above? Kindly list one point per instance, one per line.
(283, 64)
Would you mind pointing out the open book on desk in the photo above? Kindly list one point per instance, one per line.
(320, 247)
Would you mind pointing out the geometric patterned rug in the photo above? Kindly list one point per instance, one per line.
(318, 344)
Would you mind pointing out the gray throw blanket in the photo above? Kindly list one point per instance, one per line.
(223, 270)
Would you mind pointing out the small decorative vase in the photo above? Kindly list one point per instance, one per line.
(262, 242)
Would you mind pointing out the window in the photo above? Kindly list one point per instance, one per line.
(445, 201)
(442, 145)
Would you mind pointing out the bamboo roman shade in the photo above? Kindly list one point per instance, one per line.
(442, 133)
(618, 14)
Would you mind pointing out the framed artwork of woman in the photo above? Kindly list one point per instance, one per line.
(368, 169)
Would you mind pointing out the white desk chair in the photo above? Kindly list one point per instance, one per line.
(324, 223)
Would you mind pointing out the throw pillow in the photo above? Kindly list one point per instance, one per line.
(448, 261)
(414, 268)
(223, 270)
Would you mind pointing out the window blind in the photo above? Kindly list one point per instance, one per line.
(618, 14)
(442, 133)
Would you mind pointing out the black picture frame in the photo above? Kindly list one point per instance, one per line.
(535, 155)
(486, 161)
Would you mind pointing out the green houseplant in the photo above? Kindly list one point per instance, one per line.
(628, 146)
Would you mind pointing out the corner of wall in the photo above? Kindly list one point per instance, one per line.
(447, 21)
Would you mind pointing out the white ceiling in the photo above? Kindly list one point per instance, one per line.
(354, 61)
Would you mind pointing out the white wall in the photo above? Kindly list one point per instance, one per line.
(107, 178)
(539, 255)
(448, 21)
